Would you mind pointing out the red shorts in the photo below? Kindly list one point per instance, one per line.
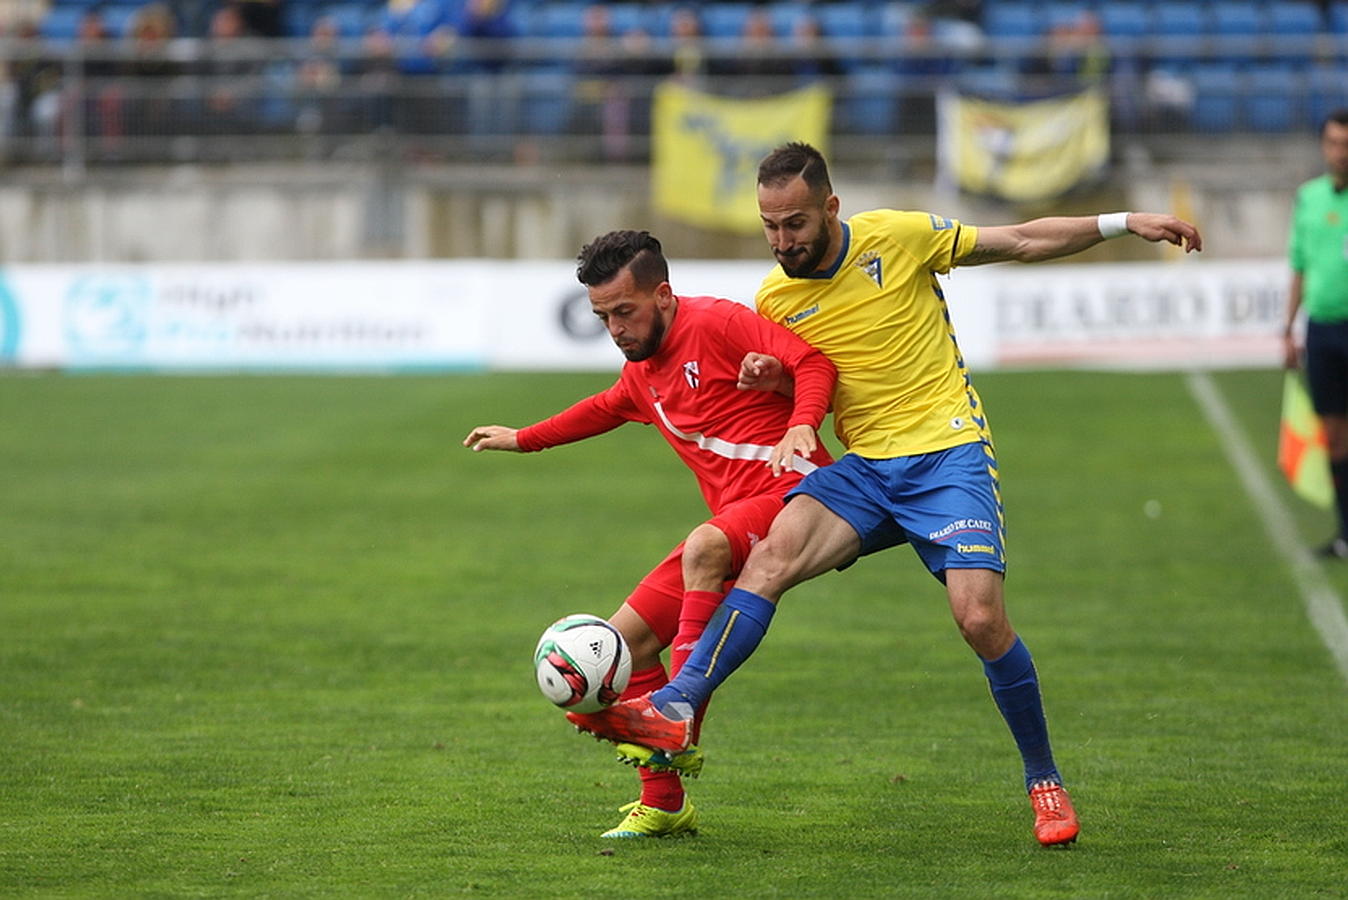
(659, 596)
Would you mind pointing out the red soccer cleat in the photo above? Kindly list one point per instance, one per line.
(636, 721)
(1055, 822)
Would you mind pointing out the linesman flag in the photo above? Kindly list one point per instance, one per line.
(1021, 151)
(706, 150)
(1302, 453)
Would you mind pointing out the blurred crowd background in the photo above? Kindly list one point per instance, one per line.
(113, 81)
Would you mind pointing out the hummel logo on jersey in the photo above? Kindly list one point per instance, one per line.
(870, 264)
(690, 374)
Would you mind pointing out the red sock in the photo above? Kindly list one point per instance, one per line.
(663, 790)
(697, 610)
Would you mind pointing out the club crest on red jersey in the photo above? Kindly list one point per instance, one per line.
(690, 374)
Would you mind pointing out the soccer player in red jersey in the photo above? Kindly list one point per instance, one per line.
(746, 448)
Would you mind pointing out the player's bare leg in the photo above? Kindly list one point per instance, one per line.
(806, 539)
(978, 605)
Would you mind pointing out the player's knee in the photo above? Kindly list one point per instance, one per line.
(985, 628)
(707, 558)
(771, 569)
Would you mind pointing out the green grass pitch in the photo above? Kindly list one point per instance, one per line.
(270, 636)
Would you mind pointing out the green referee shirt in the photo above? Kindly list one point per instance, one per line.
(1318, 249)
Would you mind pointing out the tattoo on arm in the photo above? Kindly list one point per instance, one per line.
(980, 254)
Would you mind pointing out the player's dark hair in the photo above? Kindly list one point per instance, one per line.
(1338, 117)
(603, 258)
(796, 159)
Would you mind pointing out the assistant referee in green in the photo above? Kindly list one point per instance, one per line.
(1318, 252)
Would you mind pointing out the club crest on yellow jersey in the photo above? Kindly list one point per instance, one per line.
(869, 262)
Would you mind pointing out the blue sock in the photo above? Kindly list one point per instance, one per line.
(731, 636)
(1015, 688)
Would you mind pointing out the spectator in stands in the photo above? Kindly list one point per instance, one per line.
(103, 97)
(416, 34)
(812, 58)
(412, 38)
(149, 111)
(1079, 54)
(227, 66)
(35, 92)
(688, 62)
(487, 21)
(601, 101)
(923, 64)
(1074, 57)
(260, 18)
(759, 66)
(970, 11)
(921, 56)
(477, 96)
(318, 82)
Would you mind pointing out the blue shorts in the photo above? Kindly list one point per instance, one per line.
(947, 504)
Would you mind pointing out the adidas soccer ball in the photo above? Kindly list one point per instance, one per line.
(582, 663)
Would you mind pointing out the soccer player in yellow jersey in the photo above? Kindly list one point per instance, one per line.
(920, 466)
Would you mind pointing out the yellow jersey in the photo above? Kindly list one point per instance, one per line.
(879, 314)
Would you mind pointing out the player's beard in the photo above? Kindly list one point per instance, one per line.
(646, 349)
(808, 259)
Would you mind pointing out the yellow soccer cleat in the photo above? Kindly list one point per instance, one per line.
(648, 822)
(687, 764)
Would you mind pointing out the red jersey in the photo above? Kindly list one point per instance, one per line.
(687, 390)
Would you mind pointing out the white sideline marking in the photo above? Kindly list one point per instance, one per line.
(1323, 604)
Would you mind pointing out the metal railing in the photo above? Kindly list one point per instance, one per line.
(192, 100)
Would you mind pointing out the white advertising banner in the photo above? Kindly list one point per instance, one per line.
(533, 315)
(326, 316)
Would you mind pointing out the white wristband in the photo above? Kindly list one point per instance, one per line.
(1112, 225)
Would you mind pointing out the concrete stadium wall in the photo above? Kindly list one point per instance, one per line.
(336, 212)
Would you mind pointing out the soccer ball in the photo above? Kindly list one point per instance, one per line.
(582, 663)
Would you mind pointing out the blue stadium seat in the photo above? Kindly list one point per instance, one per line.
(119, 17)
(353, 19)
(61, 23)
(1216, 107)
(1239, 25)
(545, 101)
(1125, 19)
(1013, 20)
(553, 20)
(1294, 17)
(785, 16)
(1180, 19)
(297, 19)
(849, 20)
(1327, 91)
(724, 20)
(624, 17)
(1338, 17)
(1236, 17)
(1065, 13)
(870, 104)
(1274, 98)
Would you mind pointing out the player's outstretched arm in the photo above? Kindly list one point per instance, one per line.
(492, 437)
(1055, 236)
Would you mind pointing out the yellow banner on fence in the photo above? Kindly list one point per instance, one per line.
(706, 150)
(1022, 151)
